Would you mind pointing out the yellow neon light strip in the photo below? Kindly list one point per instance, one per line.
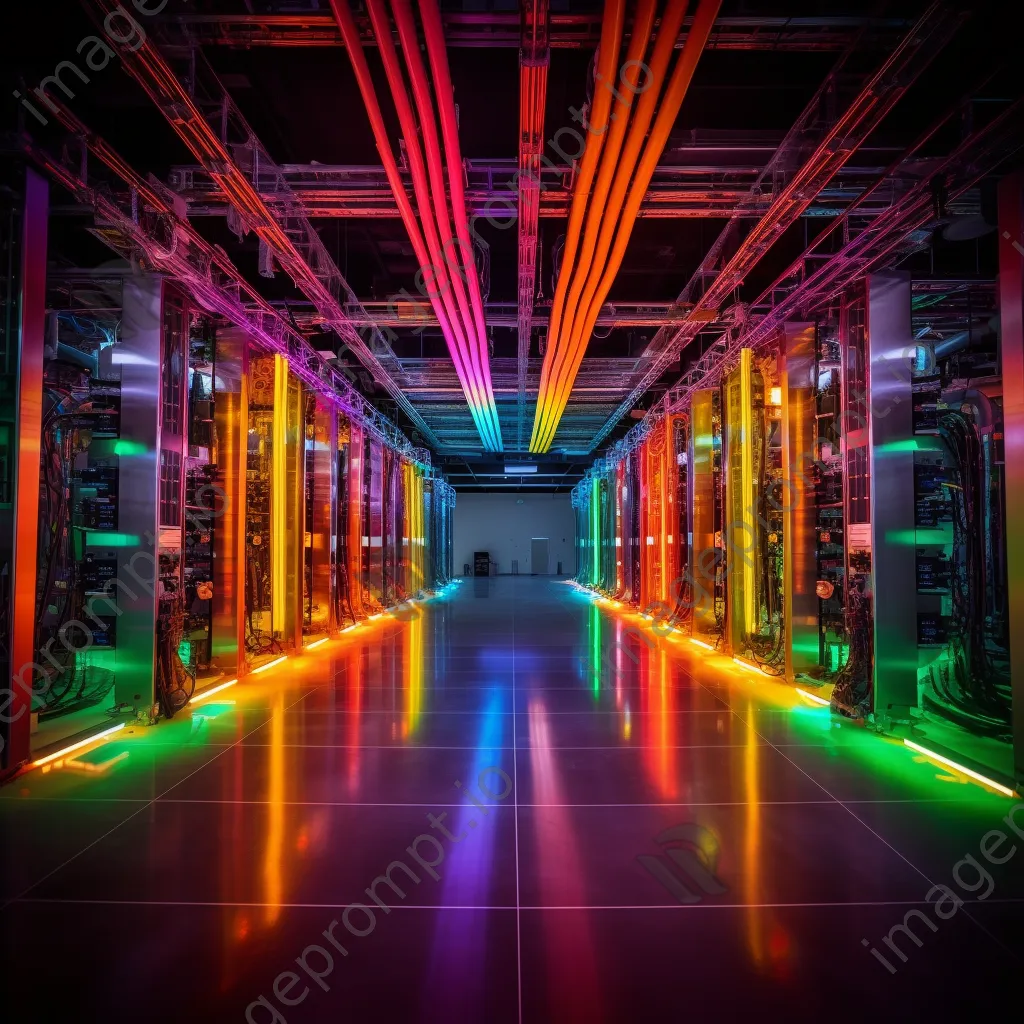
(278, 494)
(977, 776)
(269, 664)
(64, 751)
(317, 643)
(813, 697)
(199, 697)
(747, 477)
(700, 643)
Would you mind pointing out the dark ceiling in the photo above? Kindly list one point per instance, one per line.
(292, 81)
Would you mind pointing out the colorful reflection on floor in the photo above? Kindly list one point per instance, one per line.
(678, 834)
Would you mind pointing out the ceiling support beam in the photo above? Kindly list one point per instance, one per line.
(870, 249)
(709, 176)
(534, 59)
(730, 259)
(498, 29)
(286, 232)
(145, 228)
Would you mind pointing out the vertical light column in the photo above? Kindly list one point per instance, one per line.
(666, 539)
(740, 526)
(799, 521)
(19, 516)
(701, 497)
(678, 539)
(420, 549)
(408, 540)
(620, 553)
(278, 497)
(746, 442)
(295, 524)
(231, 414)
(354, 483)
(1011, 312)
(321, 456)
(648, 520)
(890, 351)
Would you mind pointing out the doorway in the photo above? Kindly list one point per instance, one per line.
(539, 556)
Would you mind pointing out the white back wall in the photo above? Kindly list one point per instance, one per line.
(504, 525)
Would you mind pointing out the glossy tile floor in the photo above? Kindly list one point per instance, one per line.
(194, 877)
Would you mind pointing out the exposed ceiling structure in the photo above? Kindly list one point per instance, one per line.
(309, 189)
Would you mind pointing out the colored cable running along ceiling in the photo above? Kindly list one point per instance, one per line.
(439, 233)
(621, 154)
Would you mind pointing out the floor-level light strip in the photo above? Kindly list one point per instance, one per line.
(977, 776)
(269, 664)
(199, 697)
(316, 643)
(749, 668)
(812, 697)
(64, 751)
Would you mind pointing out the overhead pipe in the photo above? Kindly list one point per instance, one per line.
(477, 367)
(619, 124)
(606, 213)
(576, 340)
(476, 339)
(353, 44)
(483, 412)
(682, 75)
(433, 32)
(612, 23)
(421, 188)
(675, 93)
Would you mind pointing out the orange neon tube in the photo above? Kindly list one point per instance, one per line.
(574, 344)
(682, 75)
(355, 517)
(474, 331)
(478, 391)
(433, 33)
(461, 340)
(434, 221)
(611, 34)
(643, 23)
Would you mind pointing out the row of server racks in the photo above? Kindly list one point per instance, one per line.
(837, 510)
(177, 507)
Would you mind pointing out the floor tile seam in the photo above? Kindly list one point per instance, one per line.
(533, 907)
(124, 821)
(889, 845)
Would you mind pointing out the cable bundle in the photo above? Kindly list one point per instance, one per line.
(60, 598)
(621, 154)
(440, 237)
(973, 687)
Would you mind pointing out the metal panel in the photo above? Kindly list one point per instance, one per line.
(137, 357)
(702, 504)
(1011, 311)
(19, 519)
(231, 411)
(890, 353)
(796, 365)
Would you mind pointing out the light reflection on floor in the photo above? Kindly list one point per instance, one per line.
(194, 862)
